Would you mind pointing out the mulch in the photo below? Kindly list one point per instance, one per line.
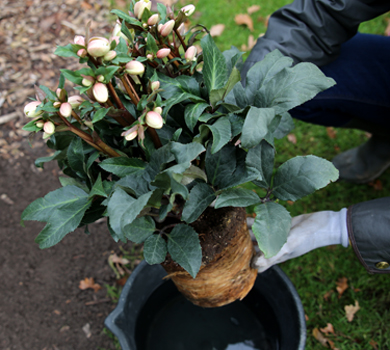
(41, 304)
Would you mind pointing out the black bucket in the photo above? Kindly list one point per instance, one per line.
(152, 315)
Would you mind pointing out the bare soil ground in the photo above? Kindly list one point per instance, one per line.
(41, 304)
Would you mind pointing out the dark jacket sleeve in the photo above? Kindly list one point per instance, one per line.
(369, 232)
(313, 30)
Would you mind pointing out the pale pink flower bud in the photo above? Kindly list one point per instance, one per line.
(61, 94)
(154, 120)
(57, 104)
(58, 92)
(116, 38)
(149, 56)
(87, 80)
(140, 7)
(49, 127)
(100, 78)
(79, 40)
(190, 54)
(188, 10)
(181, 29)
(159, 27)
(98, 47)
(82, 53)
(158, 110)
(134, 68)
(29, 109)
(131, 134)
(109, 56)
(117, 30)
(66, 109)
(100, 92)
(40, 124)
(162, 53)
(155, 85)
(153, 19)
(75, 101)
(167, 28)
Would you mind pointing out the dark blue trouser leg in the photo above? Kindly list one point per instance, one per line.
(362, 92)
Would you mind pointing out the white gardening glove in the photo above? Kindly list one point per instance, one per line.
(308, 232)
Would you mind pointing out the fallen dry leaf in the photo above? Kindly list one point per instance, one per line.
(306, 318)
(328, 294)
(320, 337)
(374, 344)
(292, 138)
(89, 283)
(116, 259)
(377, 185)
(290, 202)
(244, 19)
(351, 310)
(328, 329)
(217, 30)
(87, 330)
(253, 9)
(331, 132)
(251, 43)
(342, 285)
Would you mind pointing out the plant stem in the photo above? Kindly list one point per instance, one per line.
(100, 146)
(127, 116)
(181, 40)
(129, 89)
(75, 116)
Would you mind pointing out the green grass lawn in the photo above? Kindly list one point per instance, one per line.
(315, 274)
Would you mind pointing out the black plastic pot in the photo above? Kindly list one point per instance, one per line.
(152, 315)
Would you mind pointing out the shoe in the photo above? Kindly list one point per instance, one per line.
(364, 163)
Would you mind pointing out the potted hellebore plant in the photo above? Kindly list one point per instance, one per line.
(159, 132)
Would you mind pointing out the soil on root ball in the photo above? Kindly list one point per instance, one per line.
(225, 274)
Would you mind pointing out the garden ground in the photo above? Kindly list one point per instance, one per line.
(41, 304)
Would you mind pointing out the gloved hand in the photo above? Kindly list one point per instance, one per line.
(308, 232)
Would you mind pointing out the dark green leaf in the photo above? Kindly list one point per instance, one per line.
(62, 221)
(118, 205)
(65, 51)
(39, 162)
(236, 197)
(193, 112)
(261, 160)
(69, 181)
(214, 67)
(201, 196)
(74, 77)
(42, 208)
(221, 131)
(219, 95)
(31, 126)
(184, 248)
(220, 166)
(140, 229)
(285, 126)
(186, 152)
(155, 249)
(271, 227)
(98, 189)
(123, 166)
(263, 71)
(133, 210)
(301, 176)
(256, 126)
(76, 156)
(99, 114)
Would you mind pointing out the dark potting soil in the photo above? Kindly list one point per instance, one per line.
(216, 228)
(41, 305)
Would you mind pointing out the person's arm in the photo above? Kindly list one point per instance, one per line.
(313, 30)
(369, 233)
(366, 225)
